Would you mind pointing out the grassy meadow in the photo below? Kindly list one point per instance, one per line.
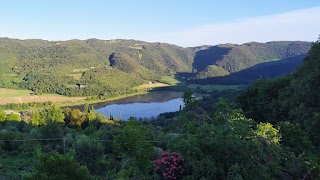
(17, 96)
(210, 88)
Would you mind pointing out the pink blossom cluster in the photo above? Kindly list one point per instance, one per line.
(170, 166)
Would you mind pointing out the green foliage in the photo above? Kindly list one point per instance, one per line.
(127, 64)
(294, 137)
(212, 71)
(227, 145)
(234, 58)
(293, 97)
(53, 166)
(188, 98)
(55, 114)
(91, 115)
(134, 146)
(13, 117)
(36, 119)
(75, 118)
(3, 115)
(50, 67)
(89, 153)
(268, 132)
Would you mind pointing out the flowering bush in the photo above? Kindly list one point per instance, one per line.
(170, 166)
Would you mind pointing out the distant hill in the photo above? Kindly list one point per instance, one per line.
(294, 97)
(234, 58)
(58, 66)
(266, 70)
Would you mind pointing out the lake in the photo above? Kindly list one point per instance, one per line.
(142, 106)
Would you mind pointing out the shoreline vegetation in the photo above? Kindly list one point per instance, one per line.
(24, 100)
(18, 97)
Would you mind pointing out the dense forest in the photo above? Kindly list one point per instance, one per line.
(269, 131)
(113, 67)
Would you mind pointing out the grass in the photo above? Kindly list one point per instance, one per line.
(80, 70)
(11, 75)
(135, 47)
(209, 88)
(23, 96)
(153, 85)
(75, 76)
(4, 92)
(169, 80)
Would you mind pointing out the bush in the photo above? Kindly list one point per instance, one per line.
(170, 166)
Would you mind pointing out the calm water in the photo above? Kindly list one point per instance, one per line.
(140, 106)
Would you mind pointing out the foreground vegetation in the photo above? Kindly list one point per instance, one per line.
(195, 143)
(270, 131)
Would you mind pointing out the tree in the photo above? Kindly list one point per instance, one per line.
(89, 153)
(188, 98)
(36, 118)
(134, 146)
(268, 132)
(86, 108)
(54, 166)
(76, 118)
(91, 115)
(226, 147)
(3, 115)
(13, 117)
(55, 114)
(101, 117)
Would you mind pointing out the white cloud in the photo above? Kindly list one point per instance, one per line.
(293, 25)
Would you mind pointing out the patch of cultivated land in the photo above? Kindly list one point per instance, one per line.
(153, 85)
(170, 80)
(23, 96)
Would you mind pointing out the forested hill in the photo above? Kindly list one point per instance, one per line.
(57, 66)
(293, 98)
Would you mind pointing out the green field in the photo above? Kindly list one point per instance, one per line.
(13, 92)
(209, 88)
(80, 70)
(23, 96)
(169, 80)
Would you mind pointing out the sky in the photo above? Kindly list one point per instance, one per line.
(182, 22)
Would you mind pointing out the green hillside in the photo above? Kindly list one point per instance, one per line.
(294, 97)
(58, 66)
(125, 63)
(234, 58)
(212, 71)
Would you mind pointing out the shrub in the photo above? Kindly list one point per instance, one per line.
(170, 166)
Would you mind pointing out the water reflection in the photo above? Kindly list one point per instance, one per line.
(142, 106)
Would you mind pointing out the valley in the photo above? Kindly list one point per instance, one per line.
(98, 70)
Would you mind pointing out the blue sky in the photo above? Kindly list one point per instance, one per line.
(181, 22)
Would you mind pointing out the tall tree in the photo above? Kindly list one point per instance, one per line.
(55, 114)
(36, 118)
(91, 115)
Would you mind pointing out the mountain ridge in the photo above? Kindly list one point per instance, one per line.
(142, 61)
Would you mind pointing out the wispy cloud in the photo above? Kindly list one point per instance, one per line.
(293, 25)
